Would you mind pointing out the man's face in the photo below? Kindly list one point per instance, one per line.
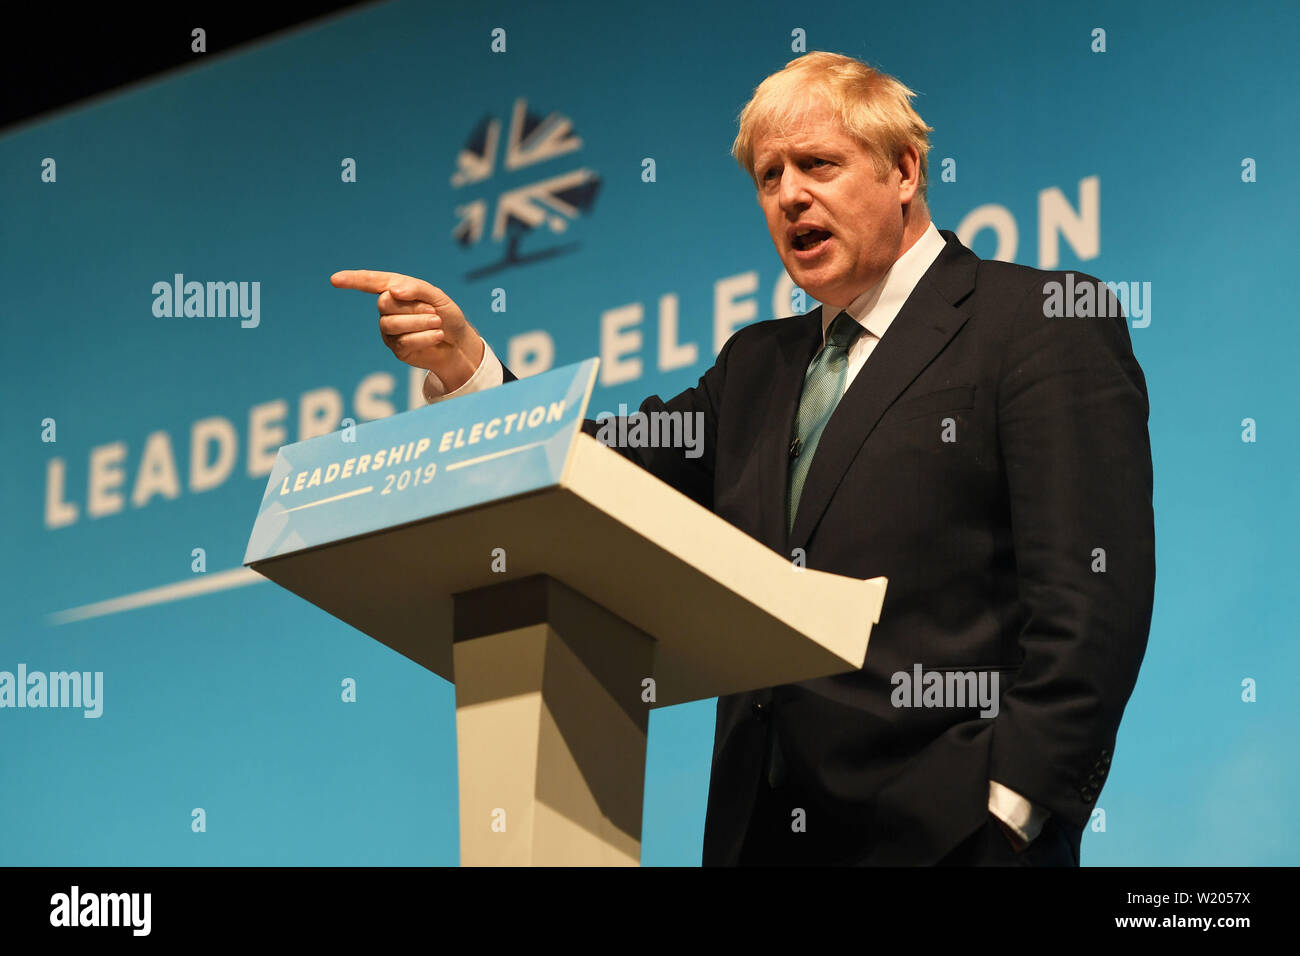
(818, 176)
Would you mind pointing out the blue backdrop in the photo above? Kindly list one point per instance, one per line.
(574, 193)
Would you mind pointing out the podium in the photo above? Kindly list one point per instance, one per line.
(563, 590)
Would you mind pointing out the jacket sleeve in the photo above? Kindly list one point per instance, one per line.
(688, 469)
(1072, 423)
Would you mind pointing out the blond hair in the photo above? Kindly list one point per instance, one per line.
(874, 108)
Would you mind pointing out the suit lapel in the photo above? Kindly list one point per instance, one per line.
(798, 340)
(926, 323)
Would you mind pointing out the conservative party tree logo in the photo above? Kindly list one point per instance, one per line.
(553, 201)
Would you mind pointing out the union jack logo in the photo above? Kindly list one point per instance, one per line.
(554, 202)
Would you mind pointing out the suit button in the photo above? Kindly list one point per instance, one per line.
(759, 709)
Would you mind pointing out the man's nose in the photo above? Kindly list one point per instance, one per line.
(794, 190)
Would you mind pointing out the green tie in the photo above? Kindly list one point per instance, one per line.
(823, 384)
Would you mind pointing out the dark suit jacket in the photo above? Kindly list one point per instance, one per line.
(990, 544)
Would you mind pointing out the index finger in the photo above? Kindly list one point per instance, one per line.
(401, 286)
(365, 280)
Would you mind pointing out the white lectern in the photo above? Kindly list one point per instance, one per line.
(564, 590)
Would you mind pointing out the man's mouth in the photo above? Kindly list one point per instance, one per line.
(809, 239)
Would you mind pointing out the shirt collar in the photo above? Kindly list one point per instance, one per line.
(876, 308)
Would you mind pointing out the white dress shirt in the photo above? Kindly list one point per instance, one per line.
(874, 310)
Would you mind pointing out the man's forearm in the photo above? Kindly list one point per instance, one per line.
(1073, 426)
(489, 373)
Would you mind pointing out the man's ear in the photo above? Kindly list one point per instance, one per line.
(909, 171)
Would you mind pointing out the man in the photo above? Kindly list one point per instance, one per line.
(992, 462)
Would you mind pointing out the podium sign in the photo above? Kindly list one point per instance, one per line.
(421, 463)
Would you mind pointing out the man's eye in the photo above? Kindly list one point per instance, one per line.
(822, 161)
